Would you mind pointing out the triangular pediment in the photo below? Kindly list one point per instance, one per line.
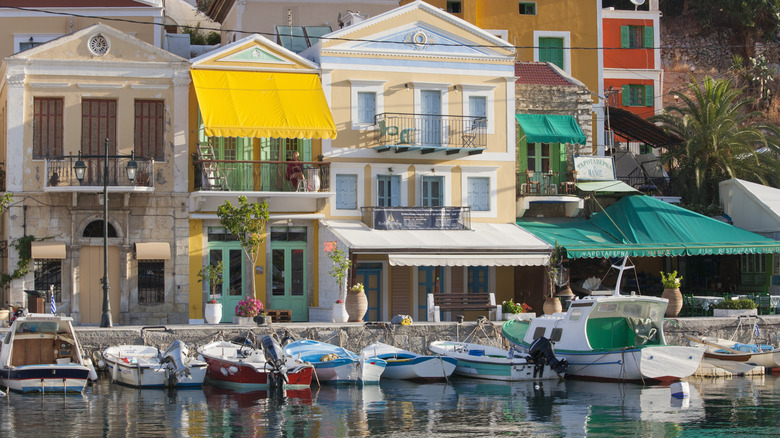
(254, 52)
(98, 43)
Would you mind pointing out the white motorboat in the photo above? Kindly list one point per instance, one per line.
(337, 364)
(407, 365)
(493, 363)
(144, 366)
(40, 353)
(611, 337)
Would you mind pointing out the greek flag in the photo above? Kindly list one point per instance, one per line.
(53, 304)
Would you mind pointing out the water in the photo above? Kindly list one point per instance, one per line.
(745, 406)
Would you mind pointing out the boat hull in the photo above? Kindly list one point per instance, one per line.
(232, 372)
(339, 365)
(656, 363)
(154, 376)
(45, 378)
(422, 368)
(484, 362)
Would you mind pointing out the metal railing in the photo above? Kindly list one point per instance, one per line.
(544, 183)
(431, 130)
(417, 218)
(60, 173)
(261, 176)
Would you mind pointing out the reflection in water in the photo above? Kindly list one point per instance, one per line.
(398, 408)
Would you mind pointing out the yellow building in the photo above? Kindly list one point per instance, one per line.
(423, 168)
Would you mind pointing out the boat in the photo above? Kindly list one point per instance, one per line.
(246, 366)
(751, 353)
(493, 363)
(612, 337)
(40, 353)
(407, 365)
(336, 364)
(144, 366)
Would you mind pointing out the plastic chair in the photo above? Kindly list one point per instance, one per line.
(764, 303)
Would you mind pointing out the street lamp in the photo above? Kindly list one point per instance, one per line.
(79, 168)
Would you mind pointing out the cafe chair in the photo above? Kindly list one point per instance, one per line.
(532, 187)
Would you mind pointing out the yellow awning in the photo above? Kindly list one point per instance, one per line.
(48, 250)
(262, 104)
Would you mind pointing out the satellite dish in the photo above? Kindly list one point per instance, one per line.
(637, 3)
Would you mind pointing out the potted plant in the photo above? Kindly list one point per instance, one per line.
(511, 310)
(339, 272)
(212, 276)
(742, 306)
(247, 309)
(551, 303)
(671, 283)
(357, 303)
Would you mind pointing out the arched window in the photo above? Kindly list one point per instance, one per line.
(95, 229)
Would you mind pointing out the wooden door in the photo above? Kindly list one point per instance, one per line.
(90, 286)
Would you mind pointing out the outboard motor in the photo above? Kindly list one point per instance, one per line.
(275, 356)
(175, 355)
(542, 352)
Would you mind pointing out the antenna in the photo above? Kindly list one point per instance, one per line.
(637, 3)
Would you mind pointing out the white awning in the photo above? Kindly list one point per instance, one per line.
(48, 250)
(467, 260)
(485, 244)
(153, 251)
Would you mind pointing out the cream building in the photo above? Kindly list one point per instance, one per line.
(93, 89)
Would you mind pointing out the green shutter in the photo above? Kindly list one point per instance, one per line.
(266, 169)
(649, 97)
(522, 151)
(648, 43)
(560, 161)
(305, 148)
(626, 95)
(624, 37)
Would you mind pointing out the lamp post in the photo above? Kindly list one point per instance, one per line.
(79, 168)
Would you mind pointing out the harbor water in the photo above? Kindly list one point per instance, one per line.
(462, 407)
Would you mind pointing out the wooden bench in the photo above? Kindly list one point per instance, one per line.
(459, 302)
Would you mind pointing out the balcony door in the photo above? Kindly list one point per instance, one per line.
(98, 123)
(289, 271)
(232, 288)
(274, 175)
(430, 105)
(238, 175)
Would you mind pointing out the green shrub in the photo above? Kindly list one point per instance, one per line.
(213, 38)
(740, 304)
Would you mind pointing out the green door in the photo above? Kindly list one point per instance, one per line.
(289, 273)
(232, 258)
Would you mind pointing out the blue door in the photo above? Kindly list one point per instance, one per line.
(370, 274)
(431, 117)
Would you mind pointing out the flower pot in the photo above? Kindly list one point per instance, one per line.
(357, 305)
(262, 319)
(675, 301)
(552, 305)
(213, 313)
(244, 320)
(340, 312)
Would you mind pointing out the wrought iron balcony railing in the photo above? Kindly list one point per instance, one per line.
(262, 176)
(545, 183)
(417, 218)
(60, 173)
(431, 131)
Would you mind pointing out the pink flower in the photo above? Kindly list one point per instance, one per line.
(330, 246)
(339, 302)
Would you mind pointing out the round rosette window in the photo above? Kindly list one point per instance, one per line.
(98, 45)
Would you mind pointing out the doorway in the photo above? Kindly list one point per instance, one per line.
(91, 286)
(370, 275)
(289, 271)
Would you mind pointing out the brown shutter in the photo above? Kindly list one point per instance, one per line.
(401, 287)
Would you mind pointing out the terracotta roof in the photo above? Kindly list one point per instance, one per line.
(539, 73)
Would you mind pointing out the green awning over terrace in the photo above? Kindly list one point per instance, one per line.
(550, 128)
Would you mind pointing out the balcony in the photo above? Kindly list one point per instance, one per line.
(220, 180)
(417, 218)
(428, 133)
(540, 189)
(60, 176)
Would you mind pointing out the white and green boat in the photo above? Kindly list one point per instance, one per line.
(493, 363)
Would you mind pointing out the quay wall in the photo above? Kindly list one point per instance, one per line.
(415, 337)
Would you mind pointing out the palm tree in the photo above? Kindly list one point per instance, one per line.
(722, 139)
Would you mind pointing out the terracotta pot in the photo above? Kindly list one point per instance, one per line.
(357, 305)
(552, 305)
(675, 301)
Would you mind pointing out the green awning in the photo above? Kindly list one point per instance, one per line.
(550, 128)
(606, 187)
(665, 229)
(642, 226)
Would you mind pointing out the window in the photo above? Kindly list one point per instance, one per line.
(48, 273)
(47, 127)
(28, 45)
(432, 191)
(300, 38)
(539, 157)
(346, 192)
(98, 123)
(366, 107)
(478, 108)
(638, 95)
(149, 129)
(636, 37)
(752, 268)
(551, 50)
(479, 193)
(454, 7)
(151, 281)
(478, 279)
(527, 8)
(388, 190)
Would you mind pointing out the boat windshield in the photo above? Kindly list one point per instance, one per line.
(629, 309)
(621, 324)
(39, 327)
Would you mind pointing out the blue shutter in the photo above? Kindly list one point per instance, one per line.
(626, 95)
(395, 191)
(346, 192)
(478, 195)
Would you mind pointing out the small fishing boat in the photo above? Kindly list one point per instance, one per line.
(407, 365)
(245, 366)
(752, 353)
(40, 353)
(144, 366)
(493, 363)
(337, 364)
